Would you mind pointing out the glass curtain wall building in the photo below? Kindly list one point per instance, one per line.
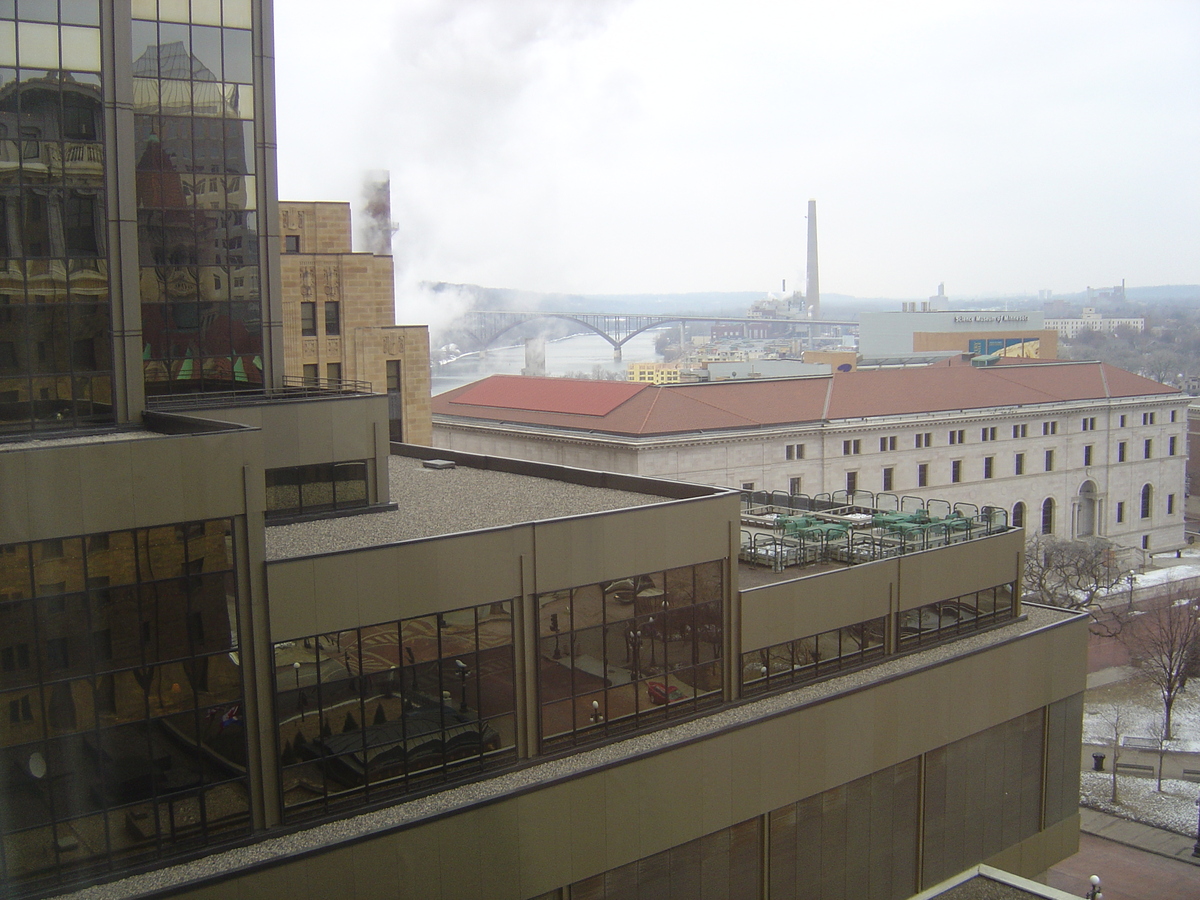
(198, 220)
(56, 363)
(121, 733)
(73, 317)
(130, 265)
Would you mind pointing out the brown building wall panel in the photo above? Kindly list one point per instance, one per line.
(791, 610)
(313, 431)
(580, 551)
(784, 612)
(87, 488)
(380, 584)
(960, 569)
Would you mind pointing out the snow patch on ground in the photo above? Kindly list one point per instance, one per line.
(1156, 577)
(1174, 809)
(1190, 552)
(1141, 711)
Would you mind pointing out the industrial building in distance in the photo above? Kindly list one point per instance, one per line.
(893, 336)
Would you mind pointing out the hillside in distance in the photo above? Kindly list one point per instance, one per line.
(736, 303)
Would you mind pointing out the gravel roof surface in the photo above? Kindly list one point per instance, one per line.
(435, 502)
(982, 888)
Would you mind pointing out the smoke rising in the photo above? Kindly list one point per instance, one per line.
(375, 226)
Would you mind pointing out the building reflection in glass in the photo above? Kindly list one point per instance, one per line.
(373, 712)
(55, 317)
(121, 731)
(621, 654)
(197, 198)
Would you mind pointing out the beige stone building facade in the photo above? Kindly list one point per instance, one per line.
(339, 314)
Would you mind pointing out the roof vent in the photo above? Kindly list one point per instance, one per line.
(438, 464)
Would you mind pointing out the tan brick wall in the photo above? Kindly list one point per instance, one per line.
(362, 283)
(931, 341)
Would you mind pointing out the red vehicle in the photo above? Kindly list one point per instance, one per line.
(661, 693)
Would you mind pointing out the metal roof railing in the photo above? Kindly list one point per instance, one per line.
(294, 387)
(782, 531)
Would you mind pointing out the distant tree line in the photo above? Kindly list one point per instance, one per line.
(1167, 351)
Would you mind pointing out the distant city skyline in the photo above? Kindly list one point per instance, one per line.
(654, 146)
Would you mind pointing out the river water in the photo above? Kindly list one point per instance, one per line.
(578, 353)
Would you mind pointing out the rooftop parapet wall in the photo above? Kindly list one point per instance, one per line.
(317, 429)
(133, 480)
(499, 530)
(790, 610)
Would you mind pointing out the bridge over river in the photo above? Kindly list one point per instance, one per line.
(485, 327)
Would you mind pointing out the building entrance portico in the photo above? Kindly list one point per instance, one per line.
(1086, 506)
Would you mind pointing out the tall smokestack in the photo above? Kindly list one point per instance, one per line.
(375, 226)
(813, 293)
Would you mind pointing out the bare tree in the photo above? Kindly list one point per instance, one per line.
(1158, 734)
(1114, 717)
(1162, 641)
(1071, 574)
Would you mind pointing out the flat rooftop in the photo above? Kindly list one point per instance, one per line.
(25, 441)
(435, 502)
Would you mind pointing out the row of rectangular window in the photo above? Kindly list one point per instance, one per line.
(113, 629)
(230, 13)
(304, 490)
(818, 656)
(851, 447)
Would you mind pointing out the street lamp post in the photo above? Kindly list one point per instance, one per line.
(299, 695)
(1094, 892)
(462, 674)
(1130, 576)
(1196, 849)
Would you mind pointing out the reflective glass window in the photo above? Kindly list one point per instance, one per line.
(120, 700)
(622, 654)
(386, 709)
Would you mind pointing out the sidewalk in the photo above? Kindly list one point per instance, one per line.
(1135, 834)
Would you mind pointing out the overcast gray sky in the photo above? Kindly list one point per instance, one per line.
(615, 146)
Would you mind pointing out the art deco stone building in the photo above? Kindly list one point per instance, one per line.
(1073, 449)
(339, 313)
(250, 648)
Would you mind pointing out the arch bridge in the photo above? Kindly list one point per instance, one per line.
(485, 327)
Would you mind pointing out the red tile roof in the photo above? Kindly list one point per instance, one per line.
(645, 410)
(561, 395)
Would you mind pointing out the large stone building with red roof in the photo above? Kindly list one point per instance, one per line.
(1070, 448)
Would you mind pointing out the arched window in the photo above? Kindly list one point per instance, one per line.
(1048, 516)
(1147, 500)
(1018, 515)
